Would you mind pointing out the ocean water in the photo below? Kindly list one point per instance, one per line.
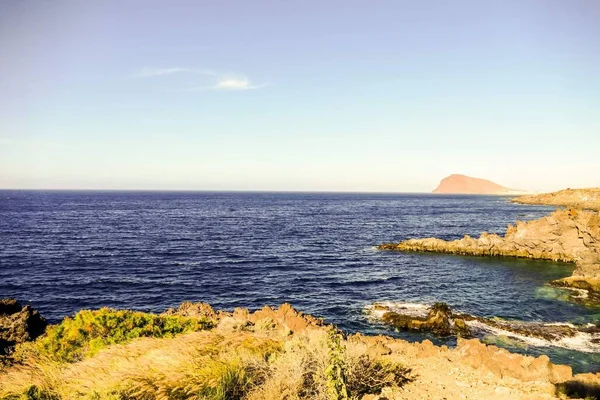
(62, 251)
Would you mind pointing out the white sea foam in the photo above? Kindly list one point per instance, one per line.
(582, 341)
(412, 309)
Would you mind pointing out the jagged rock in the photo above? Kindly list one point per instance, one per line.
(565, 235)
(286, 316)
(18, 324)
(266, 318)
(427, 349)
(189, 309)
(503, 363)
(438, 321)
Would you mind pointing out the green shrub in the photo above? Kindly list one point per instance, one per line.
(335, 371)
(89, 331)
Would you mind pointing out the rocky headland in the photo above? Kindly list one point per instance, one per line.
(574, 198)
(565, 235)
(268, 354)
(462, 184)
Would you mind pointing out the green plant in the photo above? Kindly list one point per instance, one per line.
(335, 371)
(90, 331)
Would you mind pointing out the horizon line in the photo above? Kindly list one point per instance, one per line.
(248, 191)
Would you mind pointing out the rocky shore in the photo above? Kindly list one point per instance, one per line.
(565, 235)
(574, 198)
(441, 320)
(272, 354)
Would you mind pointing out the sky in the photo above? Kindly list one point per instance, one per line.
(385, 96)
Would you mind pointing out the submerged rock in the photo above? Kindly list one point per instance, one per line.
(565, 235)
(18, 324)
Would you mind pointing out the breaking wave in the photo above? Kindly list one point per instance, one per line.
(584, 341)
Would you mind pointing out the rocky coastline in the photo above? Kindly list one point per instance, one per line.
(441, 320)
(568, 235)
(274, 354)
(573, 198)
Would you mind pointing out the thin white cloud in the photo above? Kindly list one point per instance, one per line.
(235, 83)
(148, 72)
(224, 82)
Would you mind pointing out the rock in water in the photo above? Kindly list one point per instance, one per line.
(18, 324)
(438, 321)
(441, 321)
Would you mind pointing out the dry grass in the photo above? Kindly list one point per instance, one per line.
(219, 364)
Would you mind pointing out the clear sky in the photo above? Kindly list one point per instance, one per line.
(298, 94)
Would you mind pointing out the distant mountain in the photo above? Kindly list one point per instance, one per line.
(462, 184)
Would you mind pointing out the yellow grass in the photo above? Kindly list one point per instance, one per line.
(217, 364)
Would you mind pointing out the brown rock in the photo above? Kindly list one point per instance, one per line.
(18, 324)
(287, 317)
(189, 309)
(578, 198)
(505, 364)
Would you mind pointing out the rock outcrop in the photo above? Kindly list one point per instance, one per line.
(18, 324)
(283, 318)
(574, 198)
(440, 320)
(565, 235)
(462, 184)
(503, 363)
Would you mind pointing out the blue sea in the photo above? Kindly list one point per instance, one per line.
(62, 251)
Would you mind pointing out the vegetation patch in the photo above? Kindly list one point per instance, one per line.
(90, 331)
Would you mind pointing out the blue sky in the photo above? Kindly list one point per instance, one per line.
(298, 95)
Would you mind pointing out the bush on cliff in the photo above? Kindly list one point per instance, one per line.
(89, 331)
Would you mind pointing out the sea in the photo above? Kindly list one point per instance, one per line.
(62, 251)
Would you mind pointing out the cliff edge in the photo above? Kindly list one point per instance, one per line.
(576, 198)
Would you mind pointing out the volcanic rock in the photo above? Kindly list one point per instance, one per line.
(18, 324)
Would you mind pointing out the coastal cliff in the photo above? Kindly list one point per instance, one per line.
(565, 235)
(575, 198)
(269, 354)
(462, 184)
